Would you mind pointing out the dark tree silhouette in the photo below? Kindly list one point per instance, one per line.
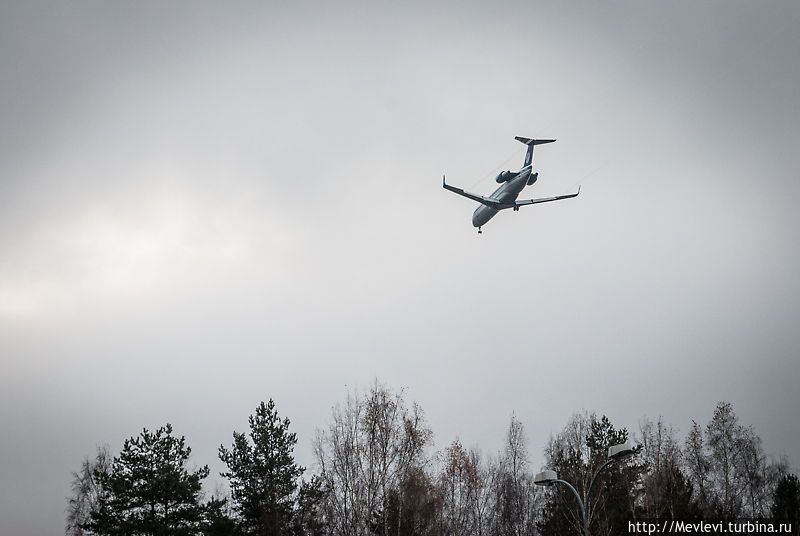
(263, 474)
(150, 490)
(576, 455)
(786, 502)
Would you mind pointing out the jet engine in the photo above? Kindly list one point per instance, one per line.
(504, 176)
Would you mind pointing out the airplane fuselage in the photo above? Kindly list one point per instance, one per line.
(512, 183)
(506, 194)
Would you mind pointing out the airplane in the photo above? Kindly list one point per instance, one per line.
(511, 185)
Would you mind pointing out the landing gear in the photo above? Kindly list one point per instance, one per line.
(479, 230)
(516, 209)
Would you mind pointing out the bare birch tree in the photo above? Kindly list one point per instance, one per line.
(86, 491)
(372, 445)
(734, 476)
(516, 502)
(666, 492)
(461, 490)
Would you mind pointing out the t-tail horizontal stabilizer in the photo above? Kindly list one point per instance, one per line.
(530, 143)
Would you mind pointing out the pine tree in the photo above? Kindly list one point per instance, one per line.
(786, 502)
(262, 473)
(150, 490)
(577, 454)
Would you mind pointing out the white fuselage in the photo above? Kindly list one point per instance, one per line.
(506, 194)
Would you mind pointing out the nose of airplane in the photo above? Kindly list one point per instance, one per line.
(476, 218)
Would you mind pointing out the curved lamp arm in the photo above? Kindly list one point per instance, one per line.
(580, 503)
(591, 484)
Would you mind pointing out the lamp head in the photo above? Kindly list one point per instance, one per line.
(616, 452)
(545, 478)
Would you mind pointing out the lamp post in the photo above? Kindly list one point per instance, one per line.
(549, 478)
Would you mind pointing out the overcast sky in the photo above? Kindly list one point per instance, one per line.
(205, 206)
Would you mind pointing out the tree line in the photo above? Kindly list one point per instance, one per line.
(377, 475)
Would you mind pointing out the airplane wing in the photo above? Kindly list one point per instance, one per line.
(546, 199)
(479, 198)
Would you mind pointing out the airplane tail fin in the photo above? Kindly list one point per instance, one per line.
(530, 143)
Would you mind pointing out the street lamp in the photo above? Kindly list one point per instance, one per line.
(549, 478)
